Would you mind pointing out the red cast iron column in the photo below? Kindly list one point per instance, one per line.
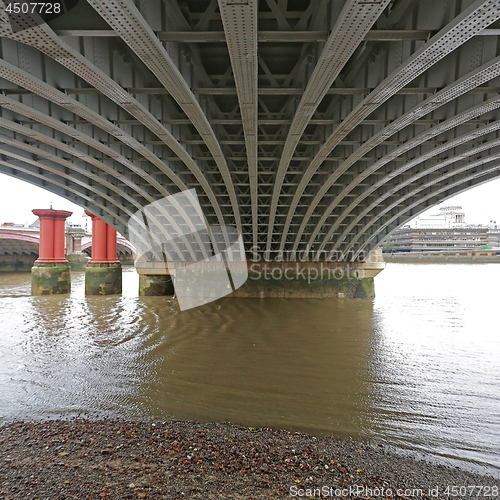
(103, 272)
(111, 245)
(51, 248)
(50, 273)
(60, 236)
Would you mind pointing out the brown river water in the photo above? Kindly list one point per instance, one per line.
(417, 368)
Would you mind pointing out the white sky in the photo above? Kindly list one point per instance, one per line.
(18, 198)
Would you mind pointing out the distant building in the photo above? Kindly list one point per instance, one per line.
(448, 217)
(471, 239)
(444, 232)
(11, 224)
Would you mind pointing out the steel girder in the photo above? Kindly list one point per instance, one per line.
(240, 27)
(416, 175)
(344, 121)
(475, 78)
(426, 197)
(339, 47)
(457, 32)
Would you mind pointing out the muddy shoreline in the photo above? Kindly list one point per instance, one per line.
(115, 459)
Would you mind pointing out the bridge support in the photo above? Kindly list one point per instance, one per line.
(74, 254)
(156, 284)
(51, 272)
(285, 279)
(155, 278)
(103, 273)
(313, 280)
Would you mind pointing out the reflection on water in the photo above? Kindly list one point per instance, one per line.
(436, 359)
(417, 368)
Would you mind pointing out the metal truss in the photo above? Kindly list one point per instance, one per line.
(453, 122)
(427, 196)
(414, 176)
(311, 125)
(240, 27)
(127, 21)
(339, 47)
(477, 17)
(476, 77)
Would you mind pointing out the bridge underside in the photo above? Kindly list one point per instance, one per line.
(310, 125)
(17, 255)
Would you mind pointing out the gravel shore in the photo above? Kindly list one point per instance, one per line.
(88, 459)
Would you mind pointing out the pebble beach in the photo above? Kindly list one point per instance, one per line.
(116, 459)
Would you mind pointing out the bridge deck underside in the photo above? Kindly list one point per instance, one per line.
(311, 125)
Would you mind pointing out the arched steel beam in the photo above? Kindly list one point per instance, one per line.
(240, 27)
(45, 40)
(19, 237)
(44, 90)
(127, 21)
(470, 22)
(492, 173)
(80, 170)
(38, 87)
(57, 173)
(453, 122)
(418, 175)
(64, 182)
(44, 119)
(19, 129)
(473, 79)
(340, 46)
(33, 176)
(466, 177)
(113, 202)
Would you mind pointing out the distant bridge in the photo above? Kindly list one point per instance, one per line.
(312, 125)
(20, 244)
(124, 249)
(19, 241)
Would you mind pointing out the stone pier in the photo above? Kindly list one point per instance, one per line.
(51, 271)
(156, 284)
(103, 273)
(285, 279)
(309, 280)
(155, 278)
(77, 259)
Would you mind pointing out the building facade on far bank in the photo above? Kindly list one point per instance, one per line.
(445, 232)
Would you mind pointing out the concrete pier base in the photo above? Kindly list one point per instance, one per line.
(50, 278)
(293, 282)
(78, 261)
(156, 284)
(312, 279)
(271, 279)
(103, 279)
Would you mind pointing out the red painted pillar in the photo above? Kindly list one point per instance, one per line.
(99, 241)
(46, 246)
(51, 271)
(103, 242)
(59, 237)
(111, 245)
(52, 235)
(103, 274)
